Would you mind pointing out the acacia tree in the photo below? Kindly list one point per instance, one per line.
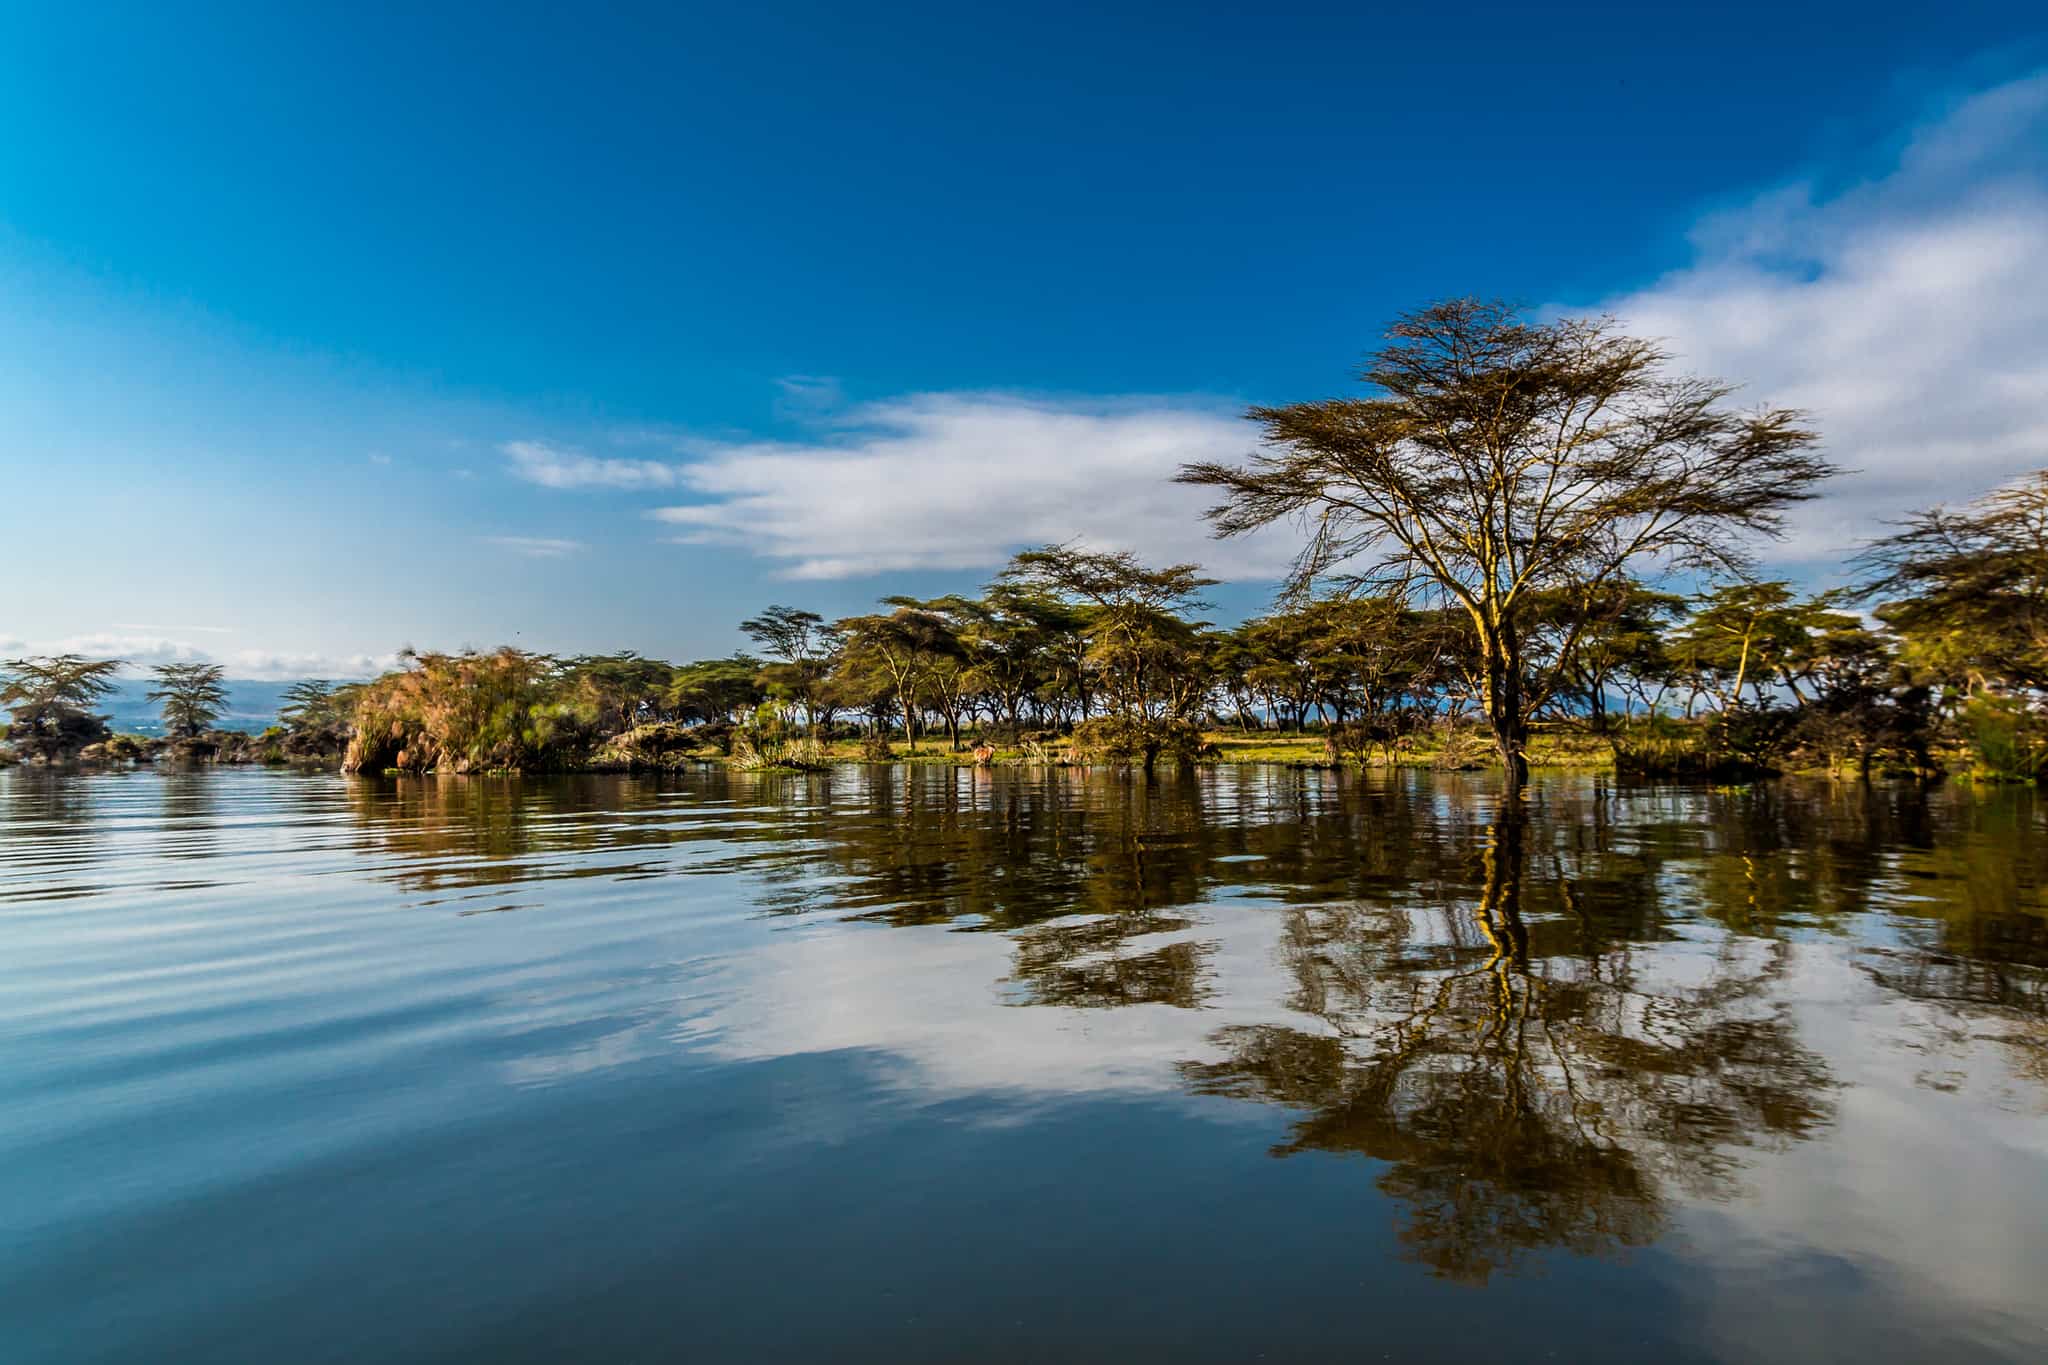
(1008, 638)
(1498, 458)
(803, 649)
(1619, 645)
(308, 702)
(316, 715)
(905, 647)
(1966, 587)
(1740, 635)
(1132, 616)
(50, 700)
(192, 697)
(715, 690)
(618, 687)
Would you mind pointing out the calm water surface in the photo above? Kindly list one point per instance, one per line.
(917, 1064)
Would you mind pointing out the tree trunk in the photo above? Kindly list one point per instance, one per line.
(1504, 713)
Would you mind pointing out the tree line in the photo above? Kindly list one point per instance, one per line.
(1523, 523)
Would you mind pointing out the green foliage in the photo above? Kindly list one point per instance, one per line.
(124, 749)
(1661, 746)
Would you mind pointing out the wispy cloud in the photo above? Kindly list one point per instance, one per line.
(1908, 314)
(379, 457)
(804, 396)
(175, 630)
(553, 466)
(535, 547)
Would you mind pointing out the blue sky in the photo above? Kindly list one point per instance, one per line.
(325, 331)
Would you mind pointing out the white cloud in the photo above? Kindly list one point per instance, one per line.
(379, 457)
(553, 466)
(1908, 314)
(535, 547)
(141, 650)
(268, 665)
(960, 481)
(138, 647)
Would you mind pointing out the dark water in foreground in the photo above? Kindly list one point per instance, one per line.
(923, 1064)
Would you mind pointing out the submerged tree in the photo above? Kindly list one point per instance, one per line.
(1499, 458)
(192, 697)
(50, 700)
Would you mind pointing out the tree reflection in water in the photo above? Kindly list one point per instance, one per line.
(1523, 1099)
(1546, 1024)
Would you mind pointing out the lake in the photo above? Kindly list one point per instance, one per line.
(918, 1063)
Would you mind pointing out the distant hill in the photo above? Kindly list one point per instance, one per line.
(252, 705)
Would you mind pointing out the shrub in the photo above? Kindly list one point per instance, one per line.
(1853, 727)
(658, 744)
(1137, 739)
(1465, 747)
(766, 740)
(467, 713)
(1744, 741)
(2008, 738)
(1661, 746)
(1356, 741)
